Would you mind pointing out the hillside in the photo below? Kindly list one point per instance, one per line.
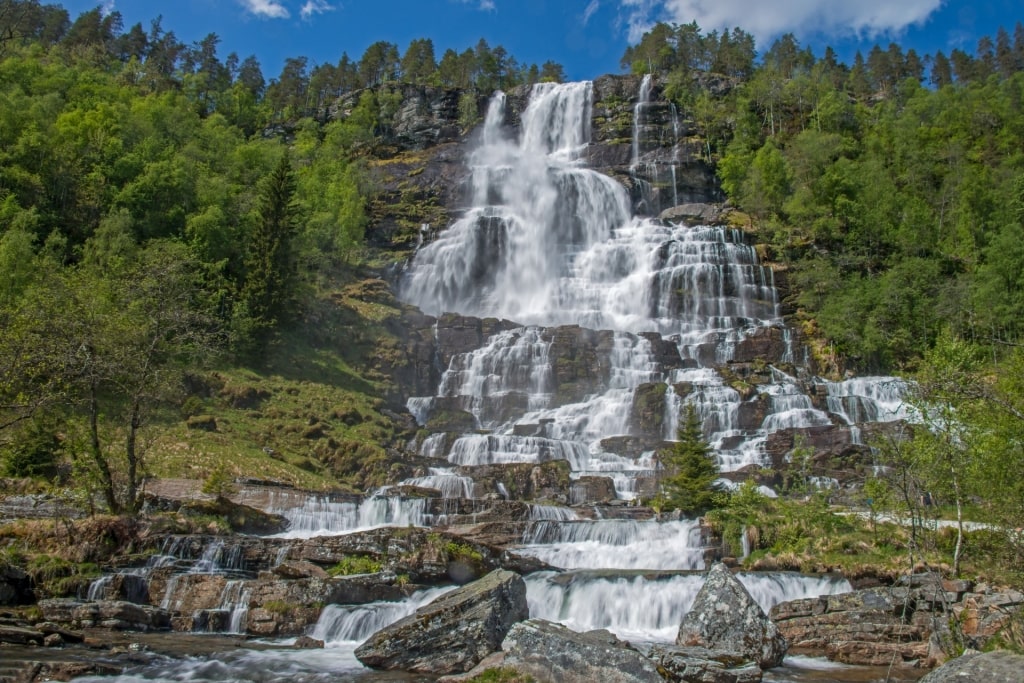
(205, 273)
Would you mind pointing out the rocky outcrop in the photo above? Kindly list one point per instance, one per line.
(112, 614)
(453, 633)
(874, 626)
(725, 617)
(425, 557)
(694, 214)
(907, 624)
(991, 667)
(552, 653)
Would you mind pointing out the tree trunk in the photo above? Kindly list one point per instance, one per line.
(131, 451)
(96, 450)
(959, 527)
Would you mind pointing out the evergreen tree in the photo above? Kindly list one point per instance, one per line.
(269, 265)
(691, 469)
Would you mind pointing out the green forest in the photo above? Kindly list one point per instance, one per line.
(167, 212)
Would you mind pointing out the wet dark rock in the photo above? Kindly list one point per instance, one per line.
(648, 410)
(999, 666)
(308, 643)
(15, 586)
(20, 635)
(592, 489)
(694, 214)
(453, 633)
(766, 343)
(553, 653)
(725, 617)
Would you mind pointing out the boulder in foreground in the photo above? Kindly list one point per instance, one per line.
(453, 633)
(999, 666)
(725, 617)
(552, 653)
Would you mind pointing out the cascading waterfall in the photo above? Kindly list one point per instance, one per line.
(555, 247)
(547, 243)
(648, 606)
(310, 516)
(615, 544)
(354, 624)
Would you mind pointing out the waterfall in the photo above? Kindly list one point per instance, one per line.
(235, 602)
(310, 516)
(615, 544)
(638, 109)
(347, 623)
(649, 606)
(446, 481)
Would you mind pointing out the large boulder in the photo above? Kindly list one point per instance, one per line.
(725, 617)
(552, 653)
(453, 633)
(992, 667)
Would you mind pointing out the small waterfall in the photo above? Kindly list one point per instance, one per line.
(216, 558)
(446, 481)
(511, 362)
(869, 399)
(348, 624)
(235, 602)
(642, 99)
(648, 607)
(551, 513)
(615, 544)
(98, 587)
(310, 516)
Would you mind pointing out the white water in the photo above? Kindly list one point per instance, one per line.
(646, 607)
(547, 242)
(310, 516)
(615, 544)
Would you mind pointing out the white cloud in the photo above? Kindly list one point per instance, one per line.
(589, 11)
(486, 5)
(106, 7)
(315, 7)
(766, 21)
(267, 9)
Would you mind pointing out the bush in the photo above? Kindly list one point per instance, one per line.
(355, 564)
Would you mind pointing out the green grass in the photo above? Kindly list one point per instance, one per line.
(312, 416)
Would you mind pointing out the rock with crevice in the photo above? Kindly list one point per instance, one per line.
(725, 617)
(701, 665)
(453, 633)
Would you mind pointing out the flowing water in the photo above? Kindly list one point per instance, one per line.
(556, 247)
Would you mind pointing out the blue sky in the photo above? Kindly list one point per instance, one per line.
(586, 36)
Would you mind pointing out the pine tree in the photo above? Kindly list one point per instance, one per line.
(691, 469)
(269, 264)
